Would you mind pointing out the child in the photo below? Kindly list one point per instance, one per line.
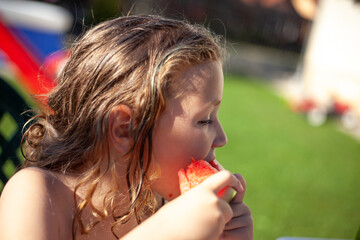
(136, 101)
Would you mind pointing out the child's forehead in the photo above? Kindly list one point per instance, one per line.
(203, 79)
(198, 72)
(199, 76)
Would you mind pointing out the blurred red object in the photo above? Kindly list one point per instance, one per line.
(305, 106)
(340, 108)
(36, 82)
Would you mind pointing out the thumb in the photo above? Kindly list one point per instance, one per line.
(222, 179)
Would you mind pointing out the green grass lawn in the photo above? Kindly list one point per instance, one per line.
(302, 180)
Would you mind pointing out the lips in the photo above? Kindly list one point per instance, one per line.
(215, 164)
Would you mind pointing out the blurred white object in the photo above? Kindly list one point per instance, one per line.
(32, 14)
(331, 70)
(350, 120)
(316, 117)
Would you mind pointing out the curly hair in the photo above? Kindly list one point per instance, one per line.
(128, 60)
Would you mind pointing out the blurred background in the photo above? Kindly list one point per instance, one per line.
(291, 105)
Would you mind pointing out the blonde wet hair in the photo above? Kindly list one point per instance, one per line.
(128, 60)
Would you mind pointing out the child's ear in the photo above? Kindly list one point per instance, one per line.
(119, 124)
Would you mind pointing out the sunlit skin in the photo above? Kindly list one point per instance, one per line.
(189, 127)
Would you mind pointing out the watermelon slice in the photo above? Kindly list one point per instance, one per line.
(197, 172)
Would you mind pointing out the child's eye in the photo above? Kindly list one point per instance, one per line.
(205, 122)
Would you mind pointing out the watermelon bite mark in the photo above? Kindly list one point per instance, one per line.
(197, 172)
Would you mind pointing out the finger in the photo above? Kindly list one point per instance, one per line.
(241, 179)
(238, 222)
(239, 197)
(222, 179)
(241, 217)
(240, 233)
(239, 208)
(226, 210)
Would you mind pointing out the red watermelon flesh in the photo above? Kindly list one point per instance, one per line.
(197, 172)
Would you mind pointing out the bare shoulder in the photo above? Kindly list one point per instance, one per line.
(34, 204)
(29, 176)
(33, 183)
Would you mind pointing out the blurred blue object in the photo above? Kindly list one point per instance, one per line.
(40, 26)
(43, 43)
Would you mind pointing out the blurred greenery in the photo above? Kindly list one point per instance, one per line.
(105, 9)
(8, 125)
(7, 128)
(302, 181)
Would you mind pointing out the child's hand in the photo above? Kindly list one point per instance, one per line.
(240, 227)
(200, 213)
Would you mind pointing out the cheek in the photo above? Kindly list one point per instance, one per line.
(198, 147)
(173, 152)
(182, 146)
(199, 142)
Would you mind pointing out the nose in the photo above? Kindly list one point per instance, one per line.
(220, 138)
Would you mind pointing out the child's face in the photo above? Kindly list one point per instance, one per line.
(189, 126)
